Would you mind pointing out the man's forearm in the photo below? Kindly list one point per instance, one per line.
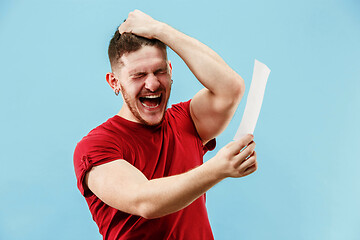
(163, 196)
(159, 197)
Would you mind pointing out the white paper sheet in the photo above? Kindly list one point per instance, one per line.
(254, 100)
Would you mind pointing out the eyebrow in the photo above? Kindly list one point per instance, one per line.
(138, 73)
(161, 69)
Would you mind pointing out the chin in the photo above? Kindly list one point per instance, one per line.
(153, 123)
(153, 120)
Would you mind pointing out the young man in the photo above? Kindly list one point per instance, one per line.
(141, 172)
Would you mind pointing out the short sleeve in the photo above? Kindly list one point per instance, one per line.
(93, 151)
(182, 111)
(210, 145)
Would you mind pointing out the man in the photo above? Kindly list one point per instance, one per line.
(141, 172)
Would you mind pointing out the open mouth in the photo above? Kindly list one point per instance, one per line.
(151, 101)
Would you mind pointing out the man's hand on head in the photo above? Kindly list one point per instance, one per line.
(140, 24)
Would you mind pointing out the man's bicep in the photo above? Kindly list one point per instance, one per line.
(116, 184)
(211, 114)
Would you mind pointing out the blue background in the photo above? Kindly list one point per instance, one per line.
(53, 58)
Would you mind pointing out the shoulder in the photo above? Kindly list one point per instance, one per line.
(101, 145)
(102, 141)
(182, 108)
(101, 135)
(180, 115)
(179, 112)
(179, 118)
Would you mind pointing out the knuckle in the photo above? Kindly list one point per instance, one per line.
(233, 165)
(228, 155)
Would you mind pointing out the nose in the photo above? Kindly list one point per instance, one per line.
(152, 83)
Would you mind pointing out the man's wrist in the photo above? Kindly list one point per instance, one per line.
(212, 168)
(162, 32)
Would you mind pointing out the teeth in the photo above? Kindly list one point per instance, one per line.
(149, 106)
(152, 96)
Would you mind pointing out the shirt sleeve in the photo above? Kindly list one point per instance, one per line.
(93, 151)
(183, 112)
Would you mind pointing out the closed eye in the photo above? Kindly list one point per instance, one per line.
(138, 75)
(161, 71)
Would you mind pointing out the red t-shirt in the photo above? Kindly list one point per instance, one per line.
(171, 148)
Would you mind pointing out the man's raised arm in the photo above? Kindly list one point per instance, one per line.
(213, 107)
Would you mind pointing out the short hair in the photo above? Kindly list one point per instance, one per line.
(127, 43)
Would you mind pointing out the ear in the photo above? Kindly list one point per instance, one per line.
(170, 67)
(112, 81)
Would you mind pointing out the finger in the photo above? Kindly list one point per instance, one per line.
(246, 140)
(250, 170)
(124, 27)
(132, 13)
(240, 159)
(248, 150)
(135, 14)
(230, 145)
(244, 154)
(248, 162)
(236, 147)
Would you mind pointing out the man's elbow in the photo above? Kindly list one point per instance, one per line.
(238, 88)
(146, 205)
(232, 95)
(148, 211)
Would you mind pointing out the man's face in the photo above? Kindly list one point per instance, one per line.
(145, 81)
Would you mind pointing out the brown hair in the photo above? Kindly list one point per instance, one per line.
(127, 43)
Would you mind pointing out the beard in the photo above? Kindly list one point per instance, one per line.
(131, 103)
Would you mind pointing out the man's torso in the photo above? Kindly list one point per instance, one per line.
(171, 148)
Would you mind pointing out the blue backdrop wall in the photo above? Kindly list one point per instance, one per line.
(53, 58)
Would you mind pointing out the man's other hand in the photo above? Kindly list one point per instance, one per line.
(236, 159)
